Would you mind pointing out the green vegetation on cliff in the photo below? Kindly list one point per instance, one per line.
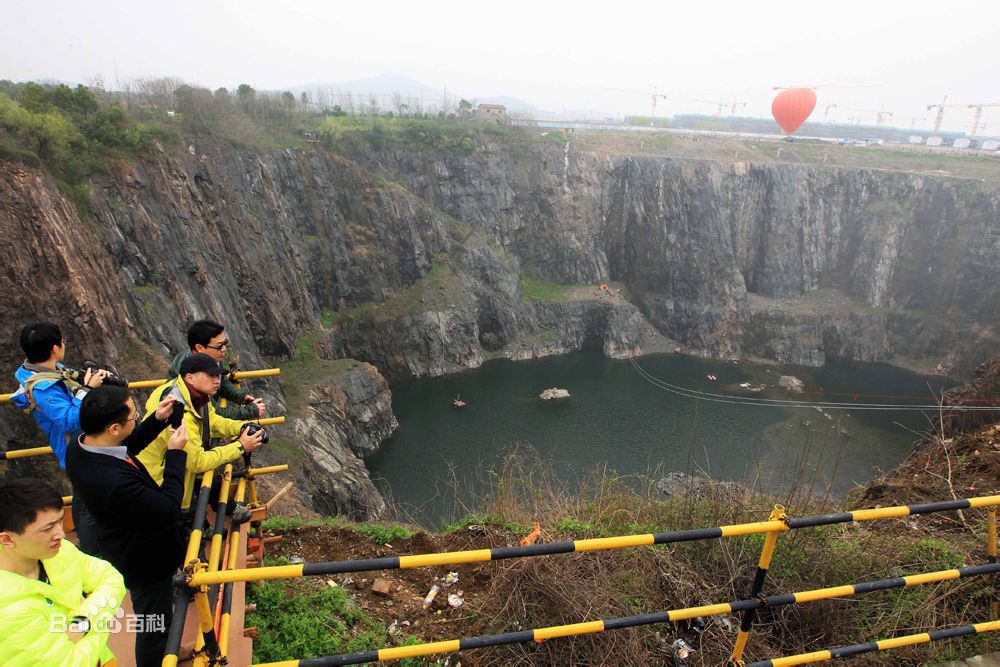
(69, 131)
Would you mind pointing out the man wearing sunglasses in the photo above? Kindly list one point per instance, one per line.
(208, 337)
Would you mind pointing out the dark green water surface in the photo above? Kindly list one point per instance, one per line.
(619, 420)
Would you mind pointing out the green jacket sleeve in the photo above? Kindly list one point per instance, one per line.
(242, 413)
(30, 640)
(103, 586)
(229, 391)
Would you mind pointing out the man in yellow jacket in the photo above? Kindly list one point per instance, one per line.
(57, 604)
(199, 379)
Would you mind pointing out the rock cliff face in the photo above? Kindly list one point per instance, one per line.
(412, 260)
(858, 263)
(346, 419)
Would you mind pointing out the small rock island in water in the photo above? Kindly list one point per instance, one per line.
(552, 393)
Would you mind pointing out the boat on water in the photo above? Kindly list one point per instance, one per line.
(458, 402)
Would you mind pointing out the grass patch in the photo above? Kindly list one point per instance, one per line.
(299, 373)
(478, 519)
(376, 532)
(435, 290)
(310, 624)
(285, 449)
(537, 289)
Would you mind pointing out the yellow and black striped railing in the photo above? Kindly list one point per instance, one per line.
(881, 645)
(451, 558)
(150, 384)
(687, 613)
(11, 454)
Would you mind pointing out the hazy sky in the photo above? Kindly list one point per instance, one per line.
(903, 55)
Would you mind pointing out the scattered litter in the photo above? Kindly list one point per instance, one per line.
(682, 650)
(744, 385)
(394, 630)
(296, 560)
(451, 578)
(455, 600)
(726, 622)
(431, 594)
(331, 583)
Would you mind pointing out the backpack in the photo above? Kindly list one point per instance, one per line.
(29, 386)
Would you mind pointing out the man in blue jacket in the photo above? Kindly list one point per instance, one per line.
(54, 401)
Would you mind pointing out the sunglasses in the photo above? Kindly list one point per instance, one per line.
(221, 345)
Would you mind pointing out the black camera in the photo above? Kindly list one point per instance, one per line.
(78, 375)
(253, 427)
(176, 415)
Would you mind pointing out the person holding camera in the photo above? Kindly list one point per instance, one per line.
(199, 379)
(208, 337)
(49, 392)
(136, 517)
(57, 605)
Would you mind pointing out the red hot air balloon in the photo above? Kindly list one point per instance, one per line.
(792, 106)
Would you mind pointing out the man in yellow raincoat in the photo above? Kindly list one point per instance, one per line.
(57, 604)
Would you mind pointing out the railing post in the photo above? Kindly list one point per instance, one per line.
(235, 535)
(991, 550)
(206, 622)
(777, 514)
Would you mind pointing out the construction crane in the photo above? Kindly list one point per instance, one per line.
(914, 119)
(979, 114)
(722, 104)
(939, 116)
(653, 97)
(880, 116)
(718, 103)
(826, 112)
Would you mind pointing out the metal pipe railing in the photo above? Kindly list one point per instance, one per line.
(766, 552)
(235, 537)
(590, 627)
(574, 546)
(881, 645)
(183, 594)
(37, 451)
(150, 384)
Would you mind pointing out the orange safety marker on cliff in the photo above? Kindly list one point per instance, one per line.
(531, 537)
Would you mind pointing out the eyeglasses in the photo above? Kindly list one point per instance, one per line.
(221, 345)
(137, 418)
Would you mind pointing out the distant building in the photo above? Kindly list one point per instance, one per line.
(492, 113)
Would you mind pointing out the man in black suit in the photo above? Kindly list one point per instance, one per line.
(136, 518)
